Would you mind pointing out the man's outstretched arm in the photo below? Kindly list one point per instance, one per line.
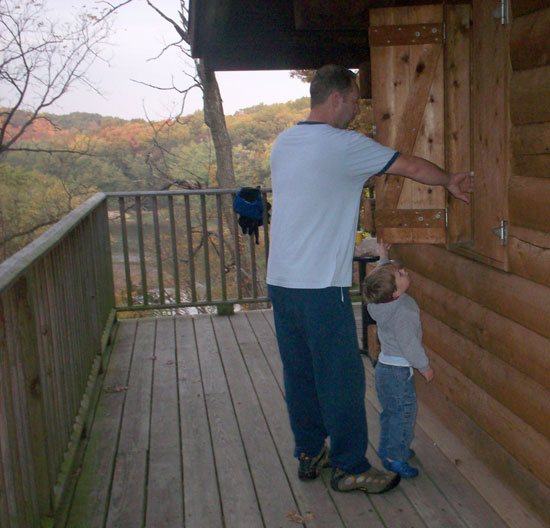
(459, 184)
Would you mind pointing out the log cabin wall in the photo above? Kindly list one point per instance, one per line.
(487, 324)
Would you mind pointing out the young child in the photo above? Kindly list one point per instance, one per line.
(397, 319)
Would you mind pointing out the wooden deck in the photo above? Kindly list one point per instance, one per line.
(191, 430)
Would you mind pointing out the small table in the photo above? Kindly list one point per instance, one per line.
(366, 319)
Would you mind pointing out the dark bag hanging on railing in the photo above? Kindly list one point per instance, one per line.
(249, 205)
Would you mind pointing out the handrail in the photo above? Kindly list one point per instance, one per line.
(12, 268)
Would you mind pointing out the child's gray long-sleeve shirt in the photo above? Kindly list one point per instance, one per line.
(400, 330)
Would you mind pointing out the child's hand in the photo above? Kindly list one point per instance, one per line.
(383, 248)
(428, 375)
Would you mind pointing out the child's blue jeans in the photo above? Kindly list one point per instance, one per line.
(397, 395)
(323, 373)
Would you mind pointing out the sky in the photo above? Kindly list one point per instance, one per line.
(140, 34)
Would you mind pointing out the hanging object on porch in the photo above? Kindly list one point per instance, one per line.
(249, 205)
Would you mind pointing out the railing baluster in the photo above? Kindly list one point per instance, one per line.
(238, 270)
(141, 252)
(158, 249)
(205, 248)
(190, 248)
(252, 246)
(174, 248)
(124, 232)
(221, 246)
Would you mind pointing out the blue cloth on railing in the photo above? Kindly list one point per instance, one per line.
(249, 205)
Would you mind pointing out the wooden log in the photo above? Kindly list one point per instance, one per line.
(532, 165)
(529, 101)
(529, 42)
(524, 7)
(512, 433)
(513, 297)
(520, 394)
(465, 437)
(528, 202)
(531, 139)
(522, 349)
(529, 253)
(531, 150)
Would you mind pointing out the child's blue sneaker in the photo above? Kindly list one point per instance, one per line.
(401, 468)
(383, 456)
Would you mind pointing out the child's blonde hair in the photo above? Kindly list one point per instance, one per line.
(379, 285)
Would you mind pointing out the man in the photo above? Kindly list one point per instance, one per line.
(318, 171)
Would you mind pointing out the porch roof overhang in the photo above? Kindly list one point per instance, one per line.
(238, 35)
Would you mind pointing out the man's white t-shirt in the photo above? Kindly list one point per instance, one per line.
(317, 173)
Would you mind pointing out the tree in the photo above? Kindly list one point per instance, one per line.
(40, 59)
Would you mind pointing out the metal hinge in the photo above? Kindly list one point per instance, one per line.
(374, 130)
(446, 217)
(504, 11)
(502, 232)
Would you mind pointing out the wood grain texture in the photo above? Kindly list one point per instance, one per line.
(491, 158)
(473, 452)
(529, 202)
(529, 42)
(164, 482)
(524, 7)
(526, 398)
(522, 349)
(530, 254)
(457, 112)
(513, 297)
(529, 101)
(512, 433)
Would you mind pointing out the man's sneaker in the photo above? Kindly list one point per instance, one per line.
(401, 468)
(371, 481)
(310, 467)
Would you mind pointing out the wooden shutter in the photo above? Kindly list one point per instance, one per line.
(408, 112)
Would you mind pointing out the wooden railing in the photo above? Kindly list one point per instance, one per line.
(177, 250)
(56, 311)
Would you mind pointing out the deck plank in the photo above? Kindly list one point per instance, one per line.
(311, 497)
(201, 495)
(201, 439)
(270, 482)
(239, 502)
(128, 492)
(90, 501)
(164, 482)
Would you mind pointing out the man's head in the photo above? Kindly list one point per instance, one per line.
(385, 283)
(334, 89)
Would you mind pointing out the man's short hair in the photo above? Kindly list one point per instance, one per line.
(328, 79)
(379, 284)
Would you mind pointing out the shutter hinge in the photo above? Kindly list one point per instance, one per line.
(502, 232)
(374, 130)
(446, 217)
(505, 11)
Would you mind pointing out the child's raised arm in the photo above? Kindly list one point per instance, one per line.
(383, 249)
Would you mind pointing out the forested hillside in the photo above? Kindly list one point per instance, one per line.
(38, 188)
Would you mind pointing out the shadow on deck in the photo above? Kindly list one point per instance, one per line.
(191, 430)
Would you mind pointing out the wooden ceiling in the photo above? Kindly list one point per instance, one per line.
(234, 35)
